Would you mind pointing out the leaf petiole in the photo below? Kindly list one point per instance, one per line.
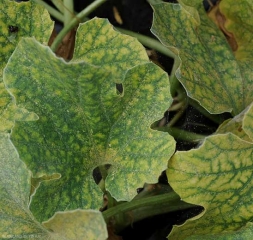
(68, 11)
(181, 134)
(77, 19)
(136, 210)
(52, 11)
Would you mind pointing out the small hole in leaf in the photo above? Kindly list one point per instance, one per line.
(139, 190)
(13, 29)
(97, 172)
(119, 88)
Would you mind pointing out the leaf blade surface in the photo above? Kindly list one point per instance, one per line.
(217, 176)
(208, 69)
(28, 19)
(83, 123)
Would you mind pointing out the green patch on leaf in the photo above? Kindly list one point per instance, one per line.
(217, 176)
(85, 122)
(99, 44)
(211, 74)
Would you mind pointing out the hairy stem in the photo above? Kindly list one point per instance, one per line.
(68, 11)
(59, 5)
(175, 85)
(181, 134)
(53, 12)
(77, 19)
(215, 118)
(126, 213)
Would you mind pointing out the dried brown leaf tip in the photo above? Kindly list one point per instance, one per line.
(219, 19)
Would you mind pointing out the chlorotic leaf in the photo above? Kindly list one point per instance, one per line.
(12, 113)
(237, 23)
(78, 224)
(245, 232)
(99, 44)
(217, 176)
(208, 69)
(84, 122)
(18, 20)
(22, 20)
(240, 125)
(16, 221)
(247, 122)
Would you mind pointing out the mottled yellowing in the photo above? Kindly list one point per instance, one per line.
(83, 123)
(221, 80)
(16, 218)
(217, 175)
(107, 47)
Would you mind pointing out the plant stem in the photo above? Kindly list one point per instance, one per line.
(53, 12)
(101, 184)
(58, 4)
(149, 42)
(175, 85)
(68, 11)
(139, 209)
(177, 116)
(77, 19)
(215, 118)
(103, 171)
(181, 134)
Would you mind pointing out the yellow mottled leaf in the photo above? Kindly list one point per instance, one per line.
(218, 176)
(84, 122)
(99, 44)
(240, 125)
(77, 224)
(211, 73)
(18, 20)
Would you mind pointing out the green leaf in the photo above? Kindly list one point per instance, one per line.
(99, 44)
(27, 19)
(244, 233)
(78, 224)
(16, 221)
(240, 125)
(217, 176)
(83, 123)
(208, 69)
